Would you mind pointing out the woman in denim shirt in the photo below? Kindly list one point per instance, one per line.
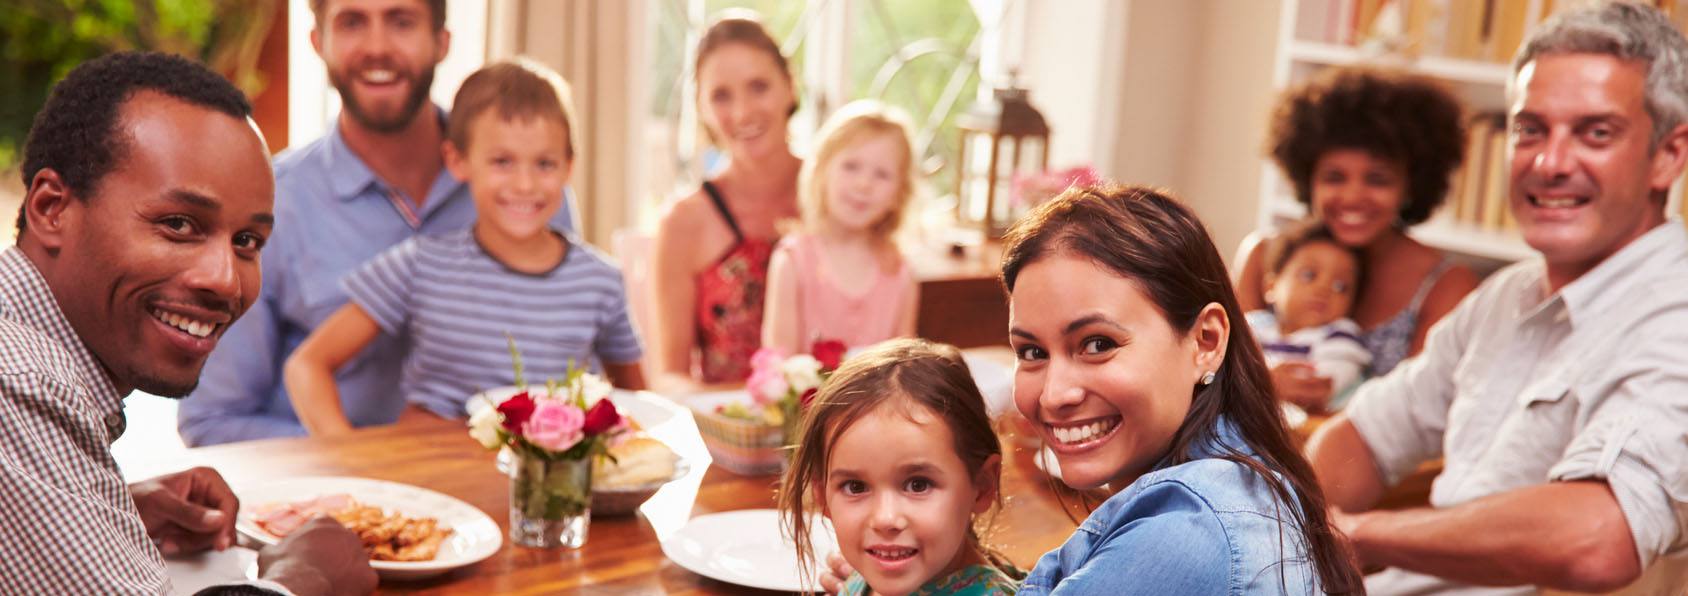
(1137, 370)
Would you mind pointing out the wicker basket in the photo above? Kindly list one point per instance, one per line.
(743, 446)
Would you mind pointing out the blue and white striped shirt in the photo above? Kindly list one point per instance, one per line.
(455, 302)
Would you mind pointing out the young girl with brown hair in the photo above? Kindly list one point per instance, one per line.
(897, 451)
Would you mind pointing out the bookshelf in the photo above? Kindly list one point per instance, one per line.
(1467, 45)
(1432, 38)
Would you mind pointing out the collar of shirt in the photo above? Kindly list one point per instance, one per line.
(38, 309)
(350, 178)
(1613, 280)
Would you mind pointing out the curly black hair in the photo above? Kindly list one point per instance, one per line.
(1392, 115)
(76, 133)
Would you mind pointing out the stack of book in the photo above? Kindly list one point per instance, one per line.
(1483, 30)
(1477, 193)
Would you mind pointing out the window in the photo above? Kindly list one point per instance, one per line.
(920, 56)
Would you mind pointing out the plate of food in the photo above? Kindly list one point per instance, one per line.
(409, 531)
(746, 548)
(641, 466)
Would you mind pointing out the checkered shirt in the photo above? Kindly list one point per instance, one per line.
(68, 524)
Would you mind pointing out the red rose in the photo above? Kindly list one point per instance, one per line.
(803, 402)
(830, 352)
(516, 411)
(601, 417)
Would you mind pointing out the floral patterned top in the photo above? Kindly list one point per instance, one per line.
(972, 580)
(729, 302)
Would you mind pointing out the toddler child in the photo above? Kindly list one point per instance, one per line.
(1310, 288)
(455, 296)
(841, 276)
(896, 449)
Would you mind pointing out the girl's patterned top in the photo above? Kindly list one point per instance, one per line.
(729, 302)
(972, 580)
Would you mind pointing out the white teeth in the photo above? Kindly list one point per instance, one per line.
(1558, 202)
(189, 326)
(1079, 434)
(892, 553)
(1351, 219)
(379, 76)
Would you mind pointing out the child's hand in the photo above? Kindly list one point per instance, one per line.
(837, 572)
(1300, 384)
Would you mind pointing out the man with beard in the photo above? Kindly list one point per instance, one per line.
(1556, 393)
(137, 248)
(376, 179)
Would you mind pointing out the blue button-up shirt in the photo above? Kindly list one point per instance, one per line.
(1206, 526)
(332, 215)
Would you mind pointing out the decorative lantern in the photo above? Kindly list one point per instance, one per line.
(1001, 138)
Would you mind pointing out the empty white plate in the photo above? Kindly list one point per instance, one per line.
(745, 548)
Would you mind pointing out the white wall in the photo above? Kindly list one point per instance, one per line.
(312, 103)
(1160, 92)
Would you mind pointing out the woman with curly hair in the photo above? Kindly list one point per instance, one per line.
(1369, 152)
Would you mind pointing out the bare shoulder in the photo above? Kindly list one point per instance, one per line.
(685, 214)
(1452, 286)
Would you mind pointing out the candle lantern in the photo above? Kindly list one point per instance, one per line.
(1001, 138)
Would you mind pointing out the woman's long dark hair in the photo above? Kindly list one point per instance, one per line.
(1151, 239)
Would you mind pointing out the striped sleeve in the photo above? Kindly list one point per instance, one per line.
(617, 341)
(382, 287)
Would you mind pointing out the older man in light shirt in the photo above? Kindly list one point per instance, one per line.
(1557, 392)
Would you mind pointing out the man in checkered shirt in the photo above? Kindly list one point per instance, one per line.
(149, 197)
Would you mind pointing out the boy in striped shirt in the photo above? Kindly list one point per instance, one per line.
(1310, 290)
(455, 296)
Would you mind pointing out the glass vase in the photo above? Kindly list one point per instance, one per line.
(550, 500)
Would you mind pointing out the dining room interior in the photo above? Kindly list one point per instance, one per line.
(1009, 105)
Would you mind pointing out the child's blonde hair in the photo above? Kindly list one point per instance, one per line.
(519, 87)
(906, 373)
(857, 121)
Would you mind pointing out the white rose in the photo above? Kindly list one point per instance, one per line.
(483, 427)
(803, 372)
(594, 388)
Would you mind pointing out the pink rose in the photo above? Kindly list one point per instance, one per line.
(555, 426)
(767, 385)
(767, 359)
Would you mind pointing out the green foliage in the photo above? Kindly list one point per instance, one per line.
(42, 40)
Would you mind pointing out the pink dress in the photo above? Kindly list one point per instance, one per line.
(856, 316)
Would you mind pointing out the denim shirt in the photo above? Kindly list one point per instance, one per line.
(1206, 526)
(332, 214)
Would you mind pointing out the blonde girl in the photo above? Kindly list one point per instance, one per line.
(841, 276)
(897, 451)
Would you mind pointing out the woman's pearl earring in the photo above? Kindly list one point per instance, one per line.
(1207, 378)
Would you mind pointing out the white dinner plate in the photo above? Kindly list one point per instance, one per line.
(474, 535)
(746, 548)
(1045, 460)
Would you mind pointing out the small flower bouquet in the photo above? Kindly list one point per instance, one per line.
(1034, 189)
(554, 432)
(750, 437)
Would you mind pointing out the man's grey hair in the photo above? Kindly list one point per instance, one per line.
(1627, 31)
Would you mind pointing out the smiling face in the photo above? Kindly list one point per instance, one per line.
(1582, 174)
(1358, 195)
(745, 100)
(380, 56)
(516, 169)
(863, 182)
(154, 266)
(1101, 374)
(901, 501)
(1315, 286)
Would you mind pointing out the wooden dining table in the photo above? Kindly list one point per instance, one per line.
(622, 555)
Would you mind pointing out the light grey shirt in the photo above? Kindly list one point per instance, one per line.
(1516, 388)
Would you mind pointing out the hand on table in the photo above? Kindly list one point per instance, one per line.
(321, 557)
(1300, 384)
(187, 511)
(836, 573)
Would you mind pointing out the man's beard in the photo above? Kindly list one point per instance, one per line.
(407, 112)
